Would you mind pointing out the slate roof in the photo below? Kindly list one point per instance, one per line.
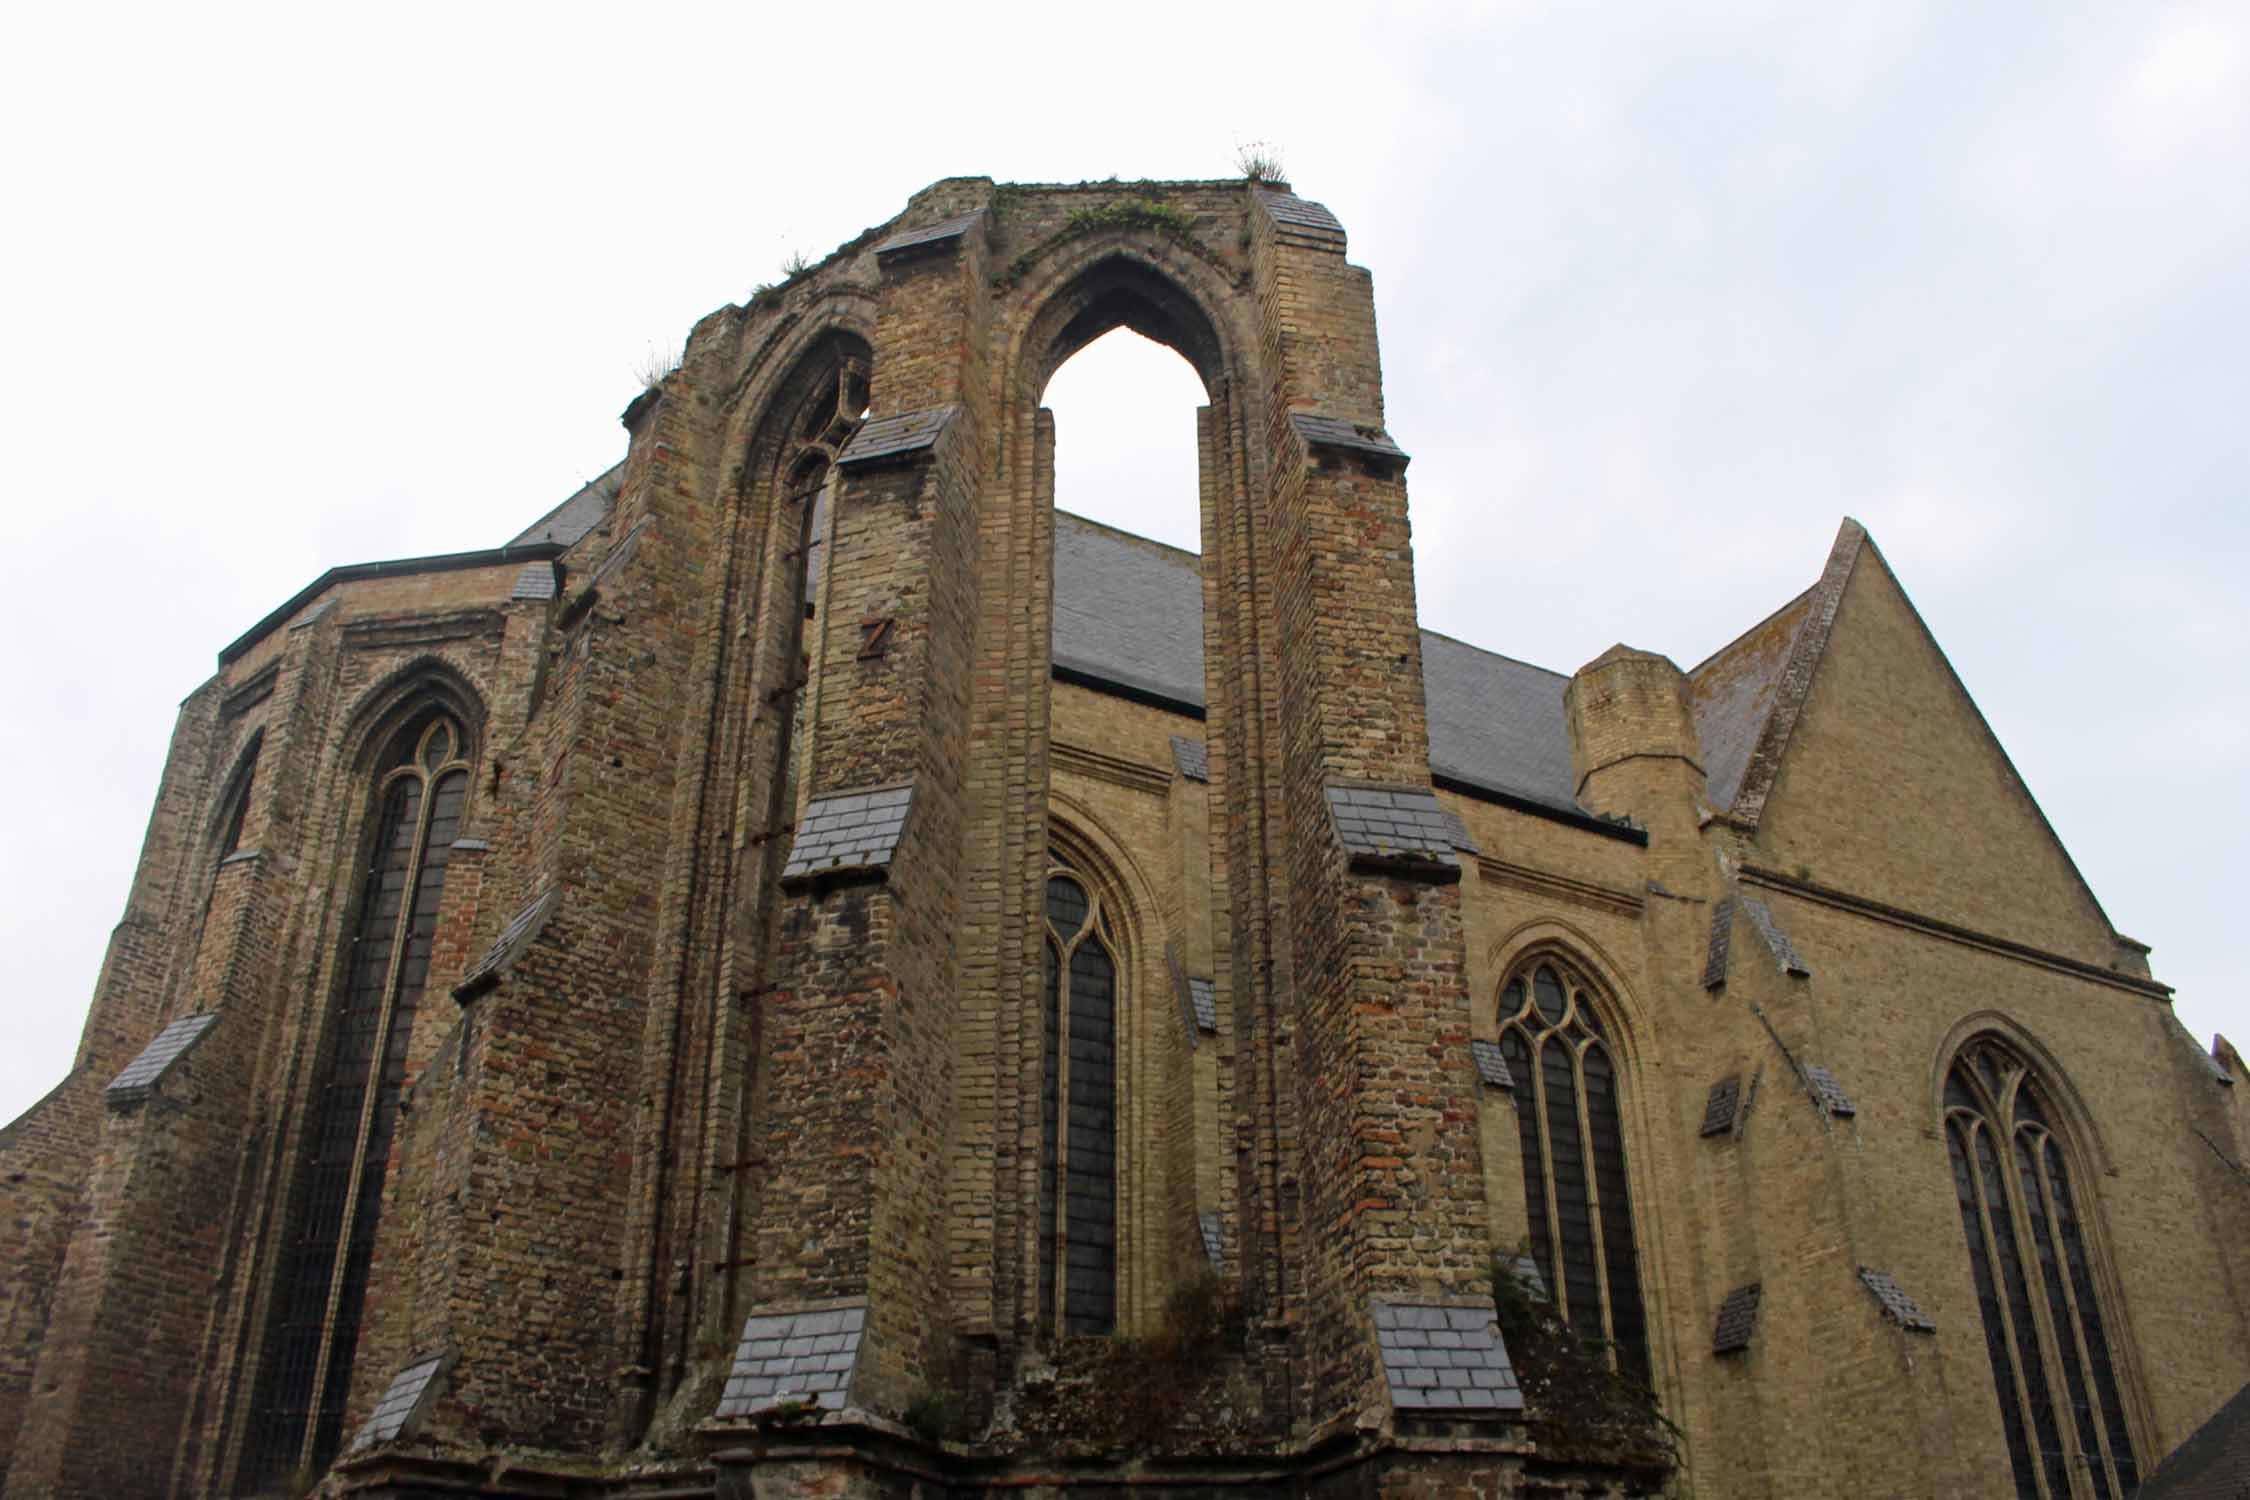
(139, 1077)
(2213, 1464)
(1203, 997)
(403, 1403)
(1129, 611)
(1492, 1064)
(572, 519)
(852, 830)
(508, 946)
(1721, 1105)
(1447, 1360)
(1900, 1308)
(1731, 693)
(1738, 1319)
(804, 1356)
(1387, 824)
(1129, 614)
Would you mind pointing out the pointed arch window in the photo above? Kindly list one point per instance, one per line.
(421, 784)
(1078, 1111)
(1568, 1111)
(2061, 1410)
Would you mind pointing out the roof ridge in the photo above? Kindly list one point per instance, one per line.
(1497, 655)
(1131, 536)
(1795, 682)
(1772, 615)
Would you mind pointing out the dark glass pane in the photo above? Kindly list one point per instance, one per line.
(2018, 1294)
(231, 840)
(1988, 1303)
(2027, 1105)
(1090, 1189)
(1547, 991)
(1958, 1094)
(1566, 1164)
(1605, 1131)
(1525, 1089)
(816, 537)
(1583, 1009)
(309, 1263)
(1050, 1073)
(438, 748)
(2090, 1322)
(1066, 906)
(1511, 1000)
(2058, 1305)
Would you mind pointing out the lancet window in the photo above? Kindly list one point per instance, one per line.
(2061, 1410)
(421, 784)
(1569, 1114)
(1078, 1110)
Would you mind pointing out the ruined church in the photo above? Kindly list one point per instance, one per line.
(809, 971)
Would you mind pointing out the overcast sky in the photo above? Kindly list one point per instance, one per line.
(1665, 292)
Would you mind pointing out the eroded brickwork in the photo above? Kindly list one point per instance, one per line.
(689, 1088)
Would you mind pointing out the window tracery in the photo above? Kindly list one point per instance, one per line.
(1568, 1112)
(1078, 1110)
(421, 784)
(2044, 1331)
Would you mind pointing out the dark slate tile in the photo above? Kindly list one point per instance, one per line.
(1190, 759)
(1356, 437)
(1302, 215)
(896, 436)
(1828, 1091)
(862, 835)
(404, 1401)
(930, 236)
(1716, 946)
(1777, 942)
(518, 935)
(139, 1078)
(1492, 1064)
(1450, 1357)
(1899, 1307)
(1738, 1319)
(1203, 996)
(536, 581)
(1719, 1105)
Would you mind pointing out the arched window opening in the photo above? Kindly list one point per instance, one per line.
(2044, 1331)
(237, 805)
(421, 783)
(1125, 447)
(1569, 1114)
(1078, 1111)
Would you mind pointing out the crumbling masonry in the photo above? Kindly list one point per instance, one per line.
(810, 972)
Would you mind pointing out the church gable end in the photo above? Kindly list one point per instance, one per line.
(1893, 788)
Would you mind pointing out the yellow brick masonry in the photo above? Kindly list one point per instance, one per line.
(697, 1093)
